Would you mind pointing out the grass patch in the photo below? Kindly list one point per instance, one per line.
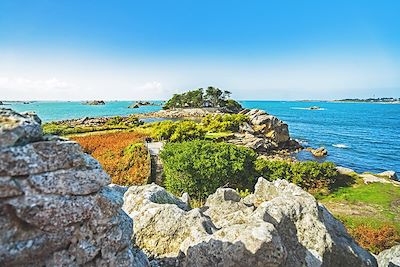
(370, 212)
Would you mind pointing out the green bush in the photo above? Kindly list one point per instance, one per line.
(178, 131)
(200, 167)
(308, 175)
(223, 123)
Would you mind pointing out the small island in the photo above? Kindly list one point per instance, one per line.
(94, 103)
(390, 100)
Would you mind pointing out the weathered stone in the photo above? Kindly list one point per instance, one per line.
(40, 157)
(18, 129)
(9, 187)
(70, 182)
(311, 235)
(319, 152)
(278, 225)
(55, 207)
(389, 257)
(251, 244)
(52, 212)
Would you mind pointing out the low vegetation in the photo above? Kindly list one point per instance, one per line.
(370, 212)
(211, 98)
(210, 127)
(200, 167)
(312, 176)
(123, 155)
(70, 128)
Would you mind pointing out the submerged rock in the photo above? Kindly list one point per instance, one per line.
(55, 206)
(278, 225)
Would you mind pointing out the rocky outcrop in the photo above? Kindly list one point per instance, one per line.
(318, 152)
(389, 257)
(278, 225)
(94, 102)
(264, 133)
(55, 206)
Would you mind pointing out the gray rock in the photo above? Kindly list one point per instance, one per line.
(18, 129)
(40, 157)
(56, 208)
(389, 257)
(278, 225)
(70, 182)
(9, 187)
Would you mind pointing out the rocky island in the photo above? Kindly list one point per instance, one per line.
(94, 102)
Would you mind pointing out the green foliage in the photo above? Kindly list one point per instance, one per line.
(308, 175)
(243, 192)
(213, 97)
(223, 122)
(113, 123)
(178, 131)
(200, 167)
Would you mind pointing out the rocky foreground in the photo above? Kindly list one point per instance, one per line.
(57, 210)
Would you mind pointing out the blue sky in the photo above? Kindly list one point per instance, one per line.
(151, 49)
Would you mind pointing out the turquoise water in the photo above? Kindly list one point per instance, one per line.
(361, 136)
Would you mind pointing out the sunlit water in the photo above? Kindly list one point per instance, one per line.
(361, 136)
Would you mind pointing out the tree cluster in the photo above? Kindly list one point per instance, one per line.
(211, 97)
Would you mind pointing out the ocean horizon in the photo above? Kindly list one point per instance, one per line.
(360, 136)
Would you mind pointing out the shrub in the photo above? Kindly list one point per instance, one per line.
(308, 175)
(178, 131)
(223, 123)
(376, 240)
(200, 167)
(122, 155)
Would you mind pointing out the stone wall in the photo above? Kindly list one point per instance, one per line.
(56, 208)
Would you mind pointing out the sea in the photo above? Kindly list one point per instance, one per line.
(362, 136)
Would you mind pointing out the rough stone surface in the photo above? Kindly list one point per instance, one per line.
(55, 206)
(278, 225)
(389, 257)
(267, 126)
(18, 129)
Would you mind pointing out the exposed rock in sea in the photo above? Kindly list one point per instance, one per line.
(319, 152)
(55, 206)
(94, 102)
(278, 225)
(135, 105)
(389, 257)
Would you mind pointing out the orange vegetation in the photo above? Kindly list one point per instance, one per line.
(376, 240)
(122, 155)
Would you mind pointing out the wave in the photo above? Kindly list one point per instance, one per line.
(340, 145)
(302, 142)
(307, 108)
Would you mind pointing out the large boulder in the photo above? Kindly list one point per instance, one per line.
(267, 125)
(55, 206)
(389, 257)
(278, 225)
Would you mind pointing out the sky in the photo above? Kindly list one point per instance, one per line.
(258, 50)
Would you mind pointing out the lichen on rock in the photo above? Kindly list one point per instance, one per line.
(55, 206)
